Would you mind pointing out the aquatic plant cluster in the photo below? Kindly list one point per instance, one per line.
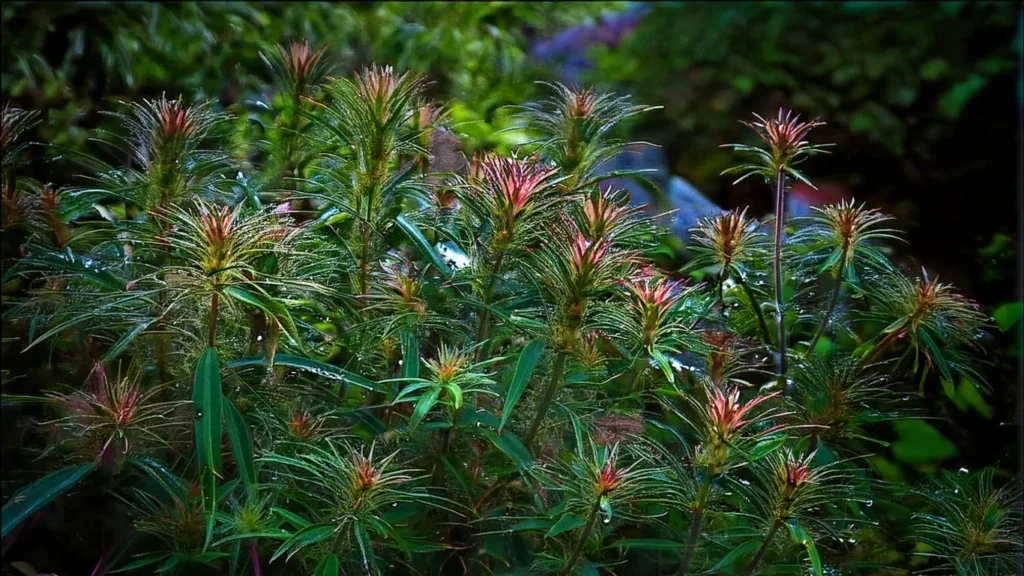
(320, 352)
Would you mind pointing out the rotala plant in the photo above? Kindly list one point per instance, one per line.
(303, 349)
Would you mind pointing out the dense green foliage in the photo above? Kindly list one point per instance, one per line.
(311, 338)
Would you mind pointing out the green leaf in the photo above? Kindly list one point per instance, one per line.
(920, 443)
(328, 566)
(737, 553)
(800, 537)
(31, 498)
(425, 403)
(532, 524)
(241, 443)
(663, 363)
(209, 491)
(117, 347)
(1008, 315)
(649, 544)
(564, 524)
(524, 368)
(142, 560)
(207, 406)
(304, 537)
(423, 246)
(510, 446)
(269, 306)
(309, 365)
(410, 355)
(82, 271)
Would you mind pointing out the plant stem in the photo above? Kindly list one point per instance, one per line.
(757, 310)
(764, 547)
(545, 402)
(892, 336)
(214, 305)
(831, 306)
(638, 365)
(254, 555)
(780, 213)
(450, 437)
(483, 327)
(578, 550)
(695, 525)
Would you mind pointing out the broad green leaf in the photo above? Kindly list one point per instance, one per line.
(524, 369)
(423, 245)
(117, 347)
(171, 484)
(328, 566)
(31, 498)
(737, 553)
(241, 443)
(510, 446)
(1008, 315)
(800, 536)
(309, 365)
(564, 524)
(425, 403)
(410, 355)
(269, 306)
(207, 409)
(920, 443)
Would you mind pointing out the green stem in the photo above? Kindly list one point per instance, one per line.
(832, 301)
(764, 547)
(638, 365)
(757, 310)
(780, 213)
(483, 327)
(545, 402)
(578, 550)
(695, 525)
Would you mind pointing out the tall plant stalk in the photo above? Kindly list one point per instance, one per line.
(214, 306)
(582, 542)
(483, 327)
(549, 395)
(780, 209)
(764, 547)
(695, 526)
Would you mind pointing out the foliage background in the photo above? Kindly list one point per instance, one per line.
(922, 99)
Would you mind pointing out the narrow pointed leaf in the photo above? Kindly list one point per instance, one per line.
(524, 369)
(269, 306)
(117, 347)
(425, 403)
(40, 493)
(309, 365)
(328, 566)
(564, 524)
(737, 553)
(421, 243)
(410, 355)
(800, 536)
(207, 409)
(241, 443)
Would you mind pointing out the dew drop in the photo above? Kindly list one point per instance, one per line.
(607, 520)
